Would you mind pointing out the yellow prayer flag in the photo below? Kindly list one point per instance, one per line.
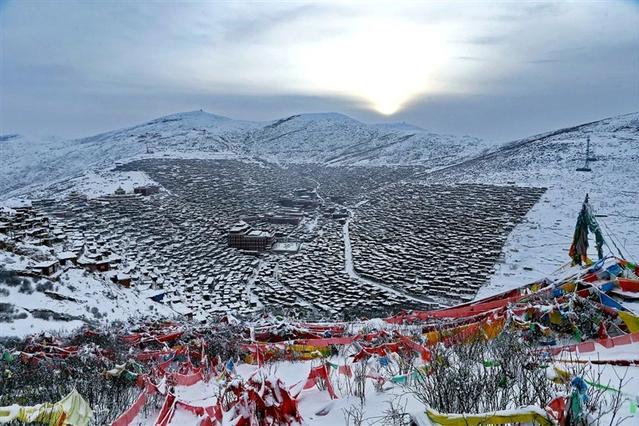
(632, 322)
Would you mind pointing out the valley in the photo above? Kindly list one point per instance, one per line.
(350, 238)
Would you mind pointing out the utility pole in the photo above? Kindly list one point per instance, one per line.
(586, 168)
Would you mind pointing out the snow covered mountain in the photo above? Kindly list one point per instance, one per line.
(534, 249)
(339, 140)
(28, 161)
(329, 138)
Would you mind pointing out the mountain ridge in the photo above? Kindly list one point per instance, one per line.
(324, 138)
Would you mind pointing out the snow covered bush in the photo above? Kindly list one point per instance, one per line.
(50, 380)
(10, 278)
(479, 376)
(224, 342)
(26, 287)
(5, 310)
(44, 286)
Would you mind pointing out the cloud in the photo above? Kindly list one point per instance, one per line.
(543, 61)
(469, 58)
(250, 26)
(111, 63)
(487, 39)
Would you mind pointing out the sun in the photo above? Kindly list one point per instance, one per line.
(387, 108)
(385, 98)
(384, 64)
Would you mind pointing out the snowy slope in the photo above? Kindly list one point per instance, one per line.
(330, 138)
(28, 161)
(339, 140)
(75, 298)
(540, 243)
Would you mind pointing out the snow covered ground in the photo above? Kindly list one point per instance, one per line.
(539, 245)
(317, 408)
(96, 183)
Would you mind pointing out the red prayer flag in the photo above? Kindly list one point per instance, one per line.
(345, 370)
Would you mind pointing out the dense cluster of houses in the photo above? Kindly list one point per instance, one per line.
(23, 223)
(438, 240)
(299, 264)
(29, 225)
(287, 252)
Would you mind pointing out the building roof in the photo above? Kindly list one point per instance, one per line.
(66, 255)
(148, 293)
(46, 264)
(260, 233)
(286, 247)
(239, 227)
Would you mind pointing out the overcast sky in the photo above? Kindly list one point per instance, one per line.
(494, 70)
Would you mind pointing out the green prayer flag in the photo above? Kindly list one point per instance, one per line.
(130, 376)
(585, 222)
(600, 386)
(502, 382)
(400, 379)
(633, 407)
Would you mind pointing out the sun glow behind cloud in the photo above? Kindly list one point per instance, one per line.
(456, 65)
(383, 63)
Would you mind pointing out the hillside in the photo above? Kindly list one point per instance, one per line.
(339, 140)
(70, 299)
(320, 138)
(534, 249)
(539, 245)
(33, 162)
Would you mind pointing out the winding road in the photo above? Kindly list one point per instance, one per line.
(348, 259)
(350, 268)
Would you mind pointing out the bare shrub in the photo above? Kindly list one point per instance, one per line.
(354, 414)
(479, 376)
(395, 414)
(224, 342)
(358, 388)
(605, 397)
(51, 380)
